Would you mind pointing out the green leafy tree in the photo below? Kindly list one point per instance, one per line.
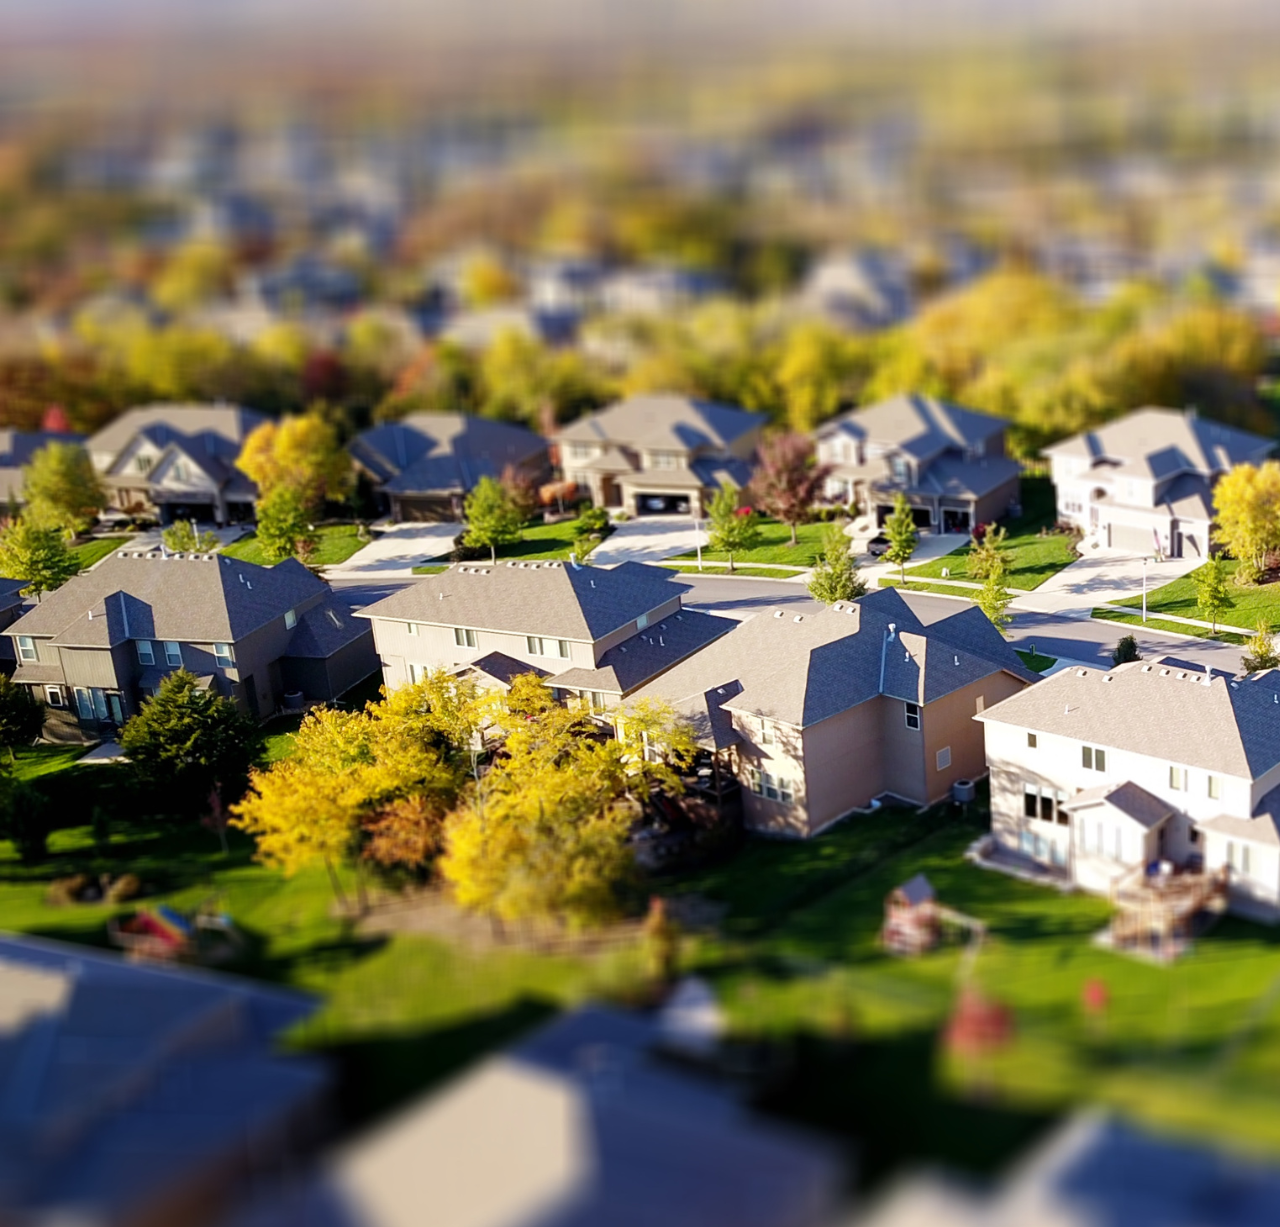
(900, 528)
(836, 578)
(182, 538)
(1260, 651)
(993, 599)
(732, 529)
(1126, 651)
(188, 743)
(284, 530)
(987, 556)
(38, 555)
(21, 715)
(493, 517)
(61, 488)
(1212, 595)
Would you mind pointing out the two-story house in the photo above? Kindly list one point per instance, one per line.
(93, 650)
(948, 461)
(1144, 483)
(590, 632)
(1097, 773)
(423, 466)
(819, 714)
(659, 454)
(177, 461)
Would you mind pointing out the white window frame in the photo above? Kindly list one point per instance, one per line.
(755, 780)
(411, 628)
(1179, 779)
(290, 619)
(416, 673)
(464, 637)
(146, 652)
(911, 711)
(223, 658)
(1214, 787)
(53, 696)
(171, 649)
(27, 648)
(768, 735)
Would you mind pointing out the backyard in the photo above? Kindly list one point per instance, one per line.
(798, 967)
(1249, 605)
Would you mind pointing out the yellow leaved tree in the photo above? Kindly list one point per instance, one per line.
(1246, 504)
(300, 453)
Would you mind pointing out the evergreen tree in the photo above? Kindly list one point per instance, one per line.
(900, 528)
(1126, 650)
(836, 578)
(493, 517)
(21, 715)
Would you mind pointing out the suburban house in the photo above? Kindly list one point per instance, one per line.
(590, 632)
(131, 1090)
(17, 447)
(424, 465)
(948, 461)
(657, 289)
(177, 461)
(858, 290)
(98, 646)
(818, 715)
(1099, 774)
(1145, 481)
(660, 453)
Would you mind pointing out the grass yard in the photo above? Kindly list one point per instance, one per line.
(1251, 605)
(430, 569)
(336, 543)
(1032, 558)
(775, 546)
(29, 762)
(1159, 624)
(1035, 661)
(97, 548)
(939, 589)
(685, 568)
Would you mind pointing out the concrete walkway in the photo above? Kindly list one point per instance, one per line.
(395, 551)
(928, 547)
(648, 539)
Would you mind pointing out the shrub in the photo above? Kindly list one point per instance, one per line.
(126, 886)
(63, 892)
(594, 520)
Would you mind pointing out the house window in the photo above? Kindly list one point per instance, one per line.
(222, 655)
(596, 699)
(944, 758)
(642, 621)
(1215, 789)
(464, 638)
(913, 715)
(173, 654)
(146, 653)
(547, 647)
(26, 648)
(1044, 804)
(53, 695)
(84, 703)
(1238, 856)
(1031, 741)
(411, 628)
(1178, 779)
(290, 619)
(777, 788)
(767, 737)
(898, 468)
(142, 464)
(755, 780)
(1093, 758)
(416, 673)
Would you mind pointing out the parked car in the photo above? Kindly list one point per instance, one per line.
(878, 546)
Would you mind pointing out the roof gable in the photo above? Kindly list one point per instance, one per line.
(678, 422)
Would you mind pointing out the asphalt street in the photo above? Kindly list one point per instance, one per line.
(1060, 635)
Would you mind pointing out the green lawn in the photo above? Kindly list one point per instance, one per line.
(1159, 624)
(1250, 605)
(775, 546)
(1036, 662)
(337, 542)
(1032, 558)
(430, 569)
(97, 548)
(941, 589)
(32, 761)
(686, 568)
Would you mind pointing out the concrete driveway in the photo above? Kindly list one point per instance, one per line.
(396, 550)
(648, 539)
(1099, 578)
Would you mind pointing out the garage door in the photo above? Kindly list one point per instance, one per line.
(1128, 537)
(662, 505)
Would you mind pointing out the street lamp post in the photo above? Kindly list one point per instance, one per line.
(1145, 560)
(697, 532)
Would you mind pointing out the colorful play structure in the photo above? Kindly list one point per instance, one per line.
(915, 922)
(162, 934)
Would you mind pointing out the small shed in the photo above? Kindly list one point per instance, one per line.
(911, 920)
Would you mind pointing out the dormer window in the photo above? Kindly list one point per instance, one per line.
(642, 621)
(142, 463)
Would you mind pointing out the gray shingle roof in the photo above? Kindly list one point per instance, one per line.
(554, 599)
(1158, 442)
(803, 669)
(212, 429)
(324, 629)
(206, 598)
(921, 426)
(676, 422)
(427, 453)
(501, 667)
(1131, 799)
(1154, 708)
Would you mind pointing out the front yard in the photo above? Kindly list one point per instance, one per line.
(336, 543)
(797, 965)
(97, 548)
(1250, 605)
(775, 547)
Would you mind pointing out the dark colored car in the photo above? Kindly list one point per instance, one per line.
(878, 546)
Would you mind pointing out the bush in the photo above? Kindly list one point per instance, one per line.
(63, 892)
(594, 520)
(126, 886)
(462, 552)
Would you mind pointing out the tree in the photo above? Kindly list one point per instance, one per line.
(300, 453)
(284, 530)
(811, 371)
(38, 555)
(492, 516)
(1260, 651)
(986, 553)
(900, 528)
(61, 488)
(192, 274)
(522, 491)
(993, 599)
(733, 529)
(1212, 595)
(182, 538)
(1126, 651)
(1246, 504)
(186, 742)
(485, 280)
(21, 715)
(787, 481)
(836, 577)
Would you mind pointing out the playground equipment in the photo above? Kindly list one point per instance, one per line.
(915, 922)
